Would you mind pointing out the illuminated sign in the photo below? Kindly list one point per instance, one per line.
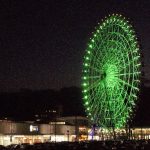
(33, 128)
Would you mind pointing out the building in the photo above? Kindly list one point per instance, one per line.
(28, 132)
(61, 129)
(74, 128)
(81, 125)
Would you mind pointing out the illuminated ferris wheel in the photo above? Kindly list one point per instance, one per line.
(111, 73)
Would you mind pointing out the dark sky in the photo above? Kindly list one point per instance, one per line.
(42, 42)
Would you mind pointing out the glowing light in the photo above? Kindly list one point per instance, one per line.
(84, 78)
(88, 52)
(85, 97)
(90, 46)
(84, 91)
(84, 84)
(86, 64)
(87, 58)
(86, 103)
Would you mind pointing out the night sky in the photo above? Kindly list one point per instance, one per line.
(42, 42)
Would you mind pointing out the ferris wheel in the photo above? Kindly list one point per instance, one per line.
(111, 73)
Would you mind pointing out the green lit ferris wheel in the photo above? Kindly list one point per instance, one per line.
(111, 73)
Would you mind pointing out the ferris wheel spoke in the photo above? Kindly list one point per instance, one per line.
(97, 47)
(123, 38)
(94, 69)
(119, 46)
(120, 101)
(94, 84)
(95, 89)
(124, 82)
(130, 63)
(119, 105)
(102, 47)
(95, 63)
(98, 94)
(128, 84)
(99, 105)
(123, 47)
(94, 107)
(94, 56)
(94, 77)
(125, 74)
(108, 55)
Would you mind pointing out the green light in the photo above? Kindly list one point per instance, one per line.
(90, 46)
(87, 58)
(92, 40)
(85, 97)
(88, 52)
(84, 84)
(84, 78)
(84, 91)
(86, 64)
(86, 103)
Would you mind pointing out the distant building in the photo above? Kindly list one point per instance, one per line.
(48, 114)
(27, 132)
